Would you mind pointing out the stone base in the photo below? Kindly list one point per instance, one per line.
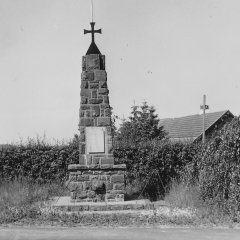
(66, 204)
(97, 183)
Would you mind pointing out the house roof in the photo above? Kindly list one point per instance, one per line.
(190, 127)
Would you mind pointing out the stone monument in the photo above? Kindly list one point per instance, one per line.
(96, 178)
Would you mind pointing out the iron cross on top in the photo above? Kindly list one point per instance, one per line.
(93, 31)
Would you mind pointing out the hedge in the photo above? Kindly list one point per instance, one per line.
(37, 161)
(155, 163)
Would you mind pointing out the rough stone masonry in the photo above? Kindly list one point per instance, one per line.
(96, 178)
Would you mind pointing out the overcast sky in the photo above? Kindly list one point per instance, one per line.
(167, 52)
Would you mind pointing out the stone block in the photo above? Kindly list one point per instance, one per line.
(82, 178)
(107, 160)
(94, 85)
(100, 75)
(85, 93)
(94, 94)
(117, 178)
(91, 194)
(120, 197)
(98, 186)
(73, 195)
(92, 62)
(119, 186)
(105, 106)
(88, 114)
(75, 167)
(85, 107)
(94, 178)
(104, 121)
(110, 148)
(87, 76)
(103, 91)
(109, 186)
(95, 161)
(120, 166)
(84, 85)
(83, 63)
(95, 101)
(106, 166)
(90, 76)
(109, 130)
(103, 84)
(72, 177)
(82, 137)
(89, 159)
(82, 148)
(86, 122)
(87, 185)
(84, 100)
(109, 196)
(81, 113)
(102, 62)
(75, 186)
(81, 195)
(117, 192)
(104, 178)
(96, 111)
(82, 160)
(106, 100)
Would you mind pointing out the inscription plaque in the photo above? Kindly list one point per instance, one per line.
(95, 139)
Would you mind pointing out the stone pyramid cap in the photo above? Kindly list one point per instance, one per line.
(93, 49)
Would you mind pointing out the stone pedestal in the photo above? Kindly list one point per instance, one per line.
(96, 178)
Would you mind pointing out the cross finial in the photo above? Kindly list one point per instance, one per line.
(92, 31)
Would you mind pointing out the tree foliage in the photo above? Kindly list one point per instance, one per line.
(141, 126)
(216, 169)
(150, 157)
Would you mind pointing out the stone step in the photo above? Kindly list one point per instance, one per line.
(66, 204)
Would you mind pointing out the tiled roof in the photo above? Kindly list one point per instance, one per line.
(190, 127)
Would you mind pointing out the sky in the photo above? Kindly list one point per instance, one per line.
(166, 52)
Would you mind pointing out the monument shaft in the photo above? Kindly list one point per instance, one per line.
(96, 178)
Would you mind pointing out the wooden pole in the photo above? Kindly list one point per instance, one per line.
(203, 125)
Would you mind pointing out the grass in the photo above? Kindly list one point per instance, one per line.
(26, 203)
(21, 199)
(186, 196)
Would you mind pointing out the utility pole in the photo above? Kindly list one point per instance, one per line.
(204, 107)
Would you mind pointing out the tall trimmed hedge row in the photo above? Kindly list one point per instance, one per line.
(37, 161)
(155, 163)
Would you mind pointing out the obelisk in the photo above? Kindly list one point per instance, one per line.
(96, 177)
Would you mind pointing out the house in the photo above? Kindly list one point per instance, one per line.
(190, 128)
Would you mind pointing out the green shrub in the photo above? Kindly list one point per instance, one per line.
(216, 170)
(154, 164)
(37, 161)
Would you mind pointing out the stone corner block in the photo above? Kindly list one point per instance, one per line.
(75, 167)
(117, 178)
(86, 122)
(93, 62)
(100, 75)
(120, 166)
(107, 160)
(106, 166)
(104, 121)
